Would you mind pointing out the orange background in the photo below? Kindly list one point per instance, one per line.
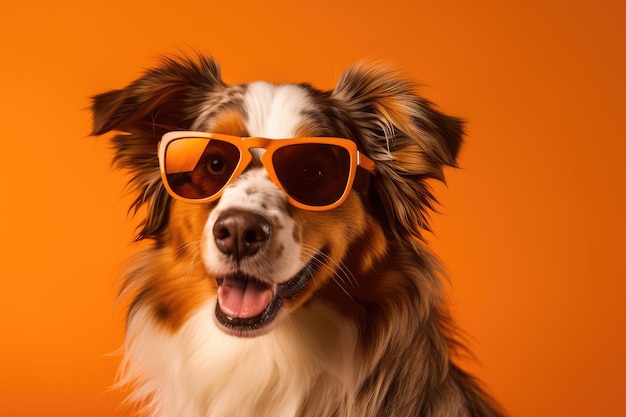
(532, 229)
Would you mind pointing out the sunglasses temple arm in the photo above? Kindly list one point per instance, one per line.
(365, 163)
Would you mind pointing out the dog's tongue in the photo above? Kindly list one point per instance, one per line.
(239, 298)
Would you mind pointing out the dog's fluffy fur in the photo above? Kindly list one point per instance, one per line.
(369, 335)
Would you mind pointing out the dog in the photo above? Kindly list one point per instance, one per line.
(287, 273)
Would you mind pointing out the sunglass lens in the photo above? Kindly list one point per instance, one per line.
(198, 168)
(312, 173)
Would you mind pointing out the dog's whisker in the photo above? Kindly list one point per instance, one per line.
(341, 271)
(191, 252)
(341, 274)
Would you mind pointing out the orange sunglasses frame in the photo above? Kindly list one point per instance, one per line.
(244, 144)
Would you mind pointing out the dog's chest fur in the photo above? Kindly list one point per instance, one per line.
(306, 364)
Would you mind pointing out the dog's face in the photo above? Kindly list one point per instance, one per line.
(266, 255)
(251, 249)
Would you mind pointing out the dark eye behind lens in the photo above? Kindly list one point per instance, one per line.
(215, 165)
(204, 171)
(312, 173)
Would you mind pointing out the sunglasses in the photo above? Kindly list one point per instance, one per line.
(314, 173)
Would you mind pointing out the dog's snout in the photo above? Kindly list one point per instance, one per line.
(241, 233)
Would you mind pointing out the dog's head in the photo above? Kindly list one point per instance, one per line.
(268, 194)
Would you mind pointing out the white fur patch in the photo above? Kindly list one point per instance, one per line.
(201, 372)
(274, 111)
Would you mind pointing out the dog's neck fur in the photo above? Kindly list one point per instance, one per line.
(200, 371)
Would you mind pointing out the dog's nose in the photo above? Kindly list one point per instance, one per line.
(241, 233)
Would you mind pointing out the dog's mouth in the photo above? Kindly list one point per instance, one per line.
(246, 304)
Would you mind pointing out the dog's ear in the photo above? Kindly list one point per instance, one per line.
(409, 140)
(165, 98)
(168, 97)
